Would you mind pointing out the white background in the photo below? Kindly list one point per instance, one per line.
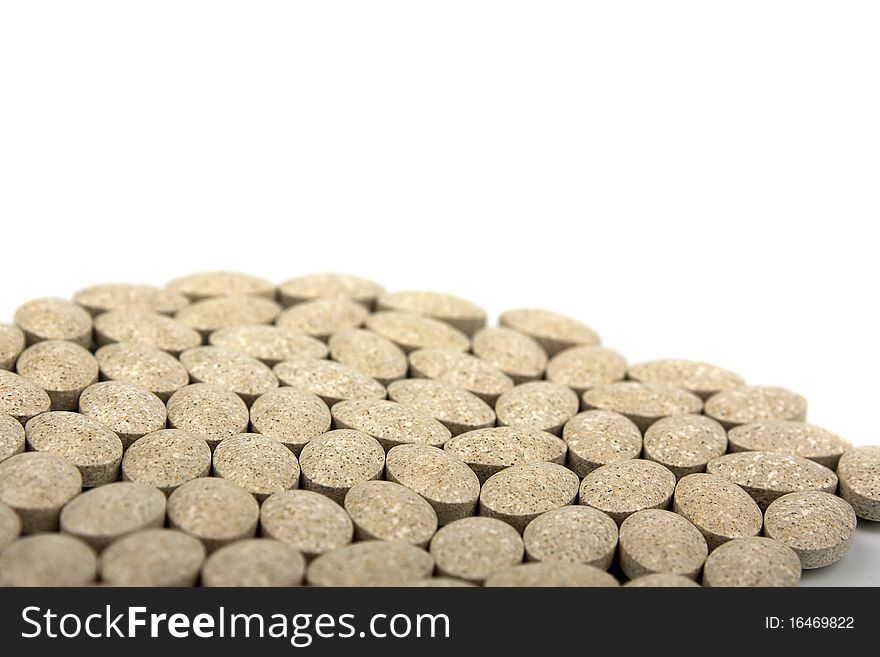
(692, 179)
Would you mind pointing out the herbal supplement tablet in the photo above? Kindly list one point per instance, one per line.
(474, 549)
(390, 512)
(456, 408)
(322, 318)
(113, 296)
(643, 403)
(215, 510)
(552, 574)
(11, 437)
(254, 562)
(331, 381)
(203, 285)
(153, 557)
(222, 312)
(308, 522)
(47, 560)
(11, 345)
(243, 375)
(166, 459)
(440, 582)
(488, 451)
(369, 353)
(766, 476)
(657, 541)
(270, 344)
(754, 561)
(144, 327)
(390, 423)
(818, 526)
(144, 366)
(10, 526)
(411, 332)
(208, 412)
(597, 438)
(537, 404)
(521, 493)
(573, 534)
(329, 285)
(553, 331)
(469, 372)
(748, 404)
(582, 368)
(291, 416)
(788, 437)
(54, 319)
(36, 485)
(448, 484)
(455, 311)
(859, 472)
(515, 354)
(662, 580)
(720, 509)
(21, 398)
(685, 443)
(127, 410)
(620, 489)
(101, 515)
(702, 379)
(259, 464)
(370, 563)
(62, 369)
(93, 449)
(334, 462)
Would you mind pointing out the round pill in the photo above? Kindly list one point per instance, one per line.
(142, 365)
(411, 332)
(718, 508)
(702, 379)
(537, 404)
(859, 472)
(747, 404)
(597, 438)
(553, 331)
(685, 443)
(488, 451)
(818, 526)
(370, 563)
(127, 410)
(474, 549)
(448, 484)
(166, 459)
(552, 574)
(247, 377)
(12, 343)
(456, 408)
(582, 368)
(622, 488)
(203, 285)
(464, 370)
(215, 510)
(153, 557)
(308, 522)
(218, 313)
(11, 437)
(643, 403)
(10, 526)
(754, 561)
(573, 534)
(521, 493)
(334, 462)
(21, 398)
(331, 381)
(515, 354)
(291, 416)
(766, 476)
(135, 325)
(270, 344)
(259, 464)
(93, 449)
(329, 285)
(467, 317)
(387, 511)
(369, 353)
(662, 580)
(54, 319)
(254, 562)
(101, 515)
(208, 412)
(657, 541)
(62, 369)
(322, 318)
(36, 485)
(99, 299)
(47, 560)
(390, 423)
(788, 437)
